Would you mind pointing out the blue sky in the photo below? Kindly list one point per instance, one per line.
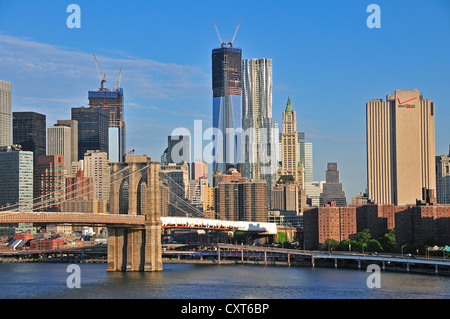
(324, 57)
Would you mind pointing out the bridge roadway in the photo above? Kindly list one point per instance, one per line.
(133, 221)
(239, 253)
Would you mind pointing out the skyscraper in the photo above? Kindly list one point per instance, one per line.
(49, 183)
(290, 165)
(73, 137)
(227, 106)
(305, 154)
(443, 179)
(59, 143)
(112, 101)
(259, 138)
(16, 176)
(92, 129)
(332, 188)
(5, 113)
(96, 166)
(400, 148)
(29, 131)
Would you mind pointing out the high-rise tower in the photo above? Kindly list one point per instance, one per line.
(5, 114)
(227, 105)
(111, 100)
(290, 165)
(29, 131)
(400, 148)
(259, 138)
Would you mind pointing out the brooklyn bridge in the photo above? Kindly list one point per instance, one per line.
(134, 233)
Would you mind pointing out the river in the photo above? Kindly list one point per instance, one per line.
(193, 281)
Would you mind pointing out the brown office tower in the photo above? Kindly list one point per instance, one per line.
(49, 183)
(241, 201)
(400, 148)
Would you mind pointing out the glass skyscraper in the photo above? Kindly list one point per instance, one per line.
(29, 131)
(112, 100)
(16, 176)
(92, 129)
(227, 106)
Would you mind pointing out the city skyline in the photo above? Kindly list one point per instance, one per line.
(350, 72)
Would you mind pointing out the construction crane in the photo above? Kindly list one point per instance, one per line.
(234, 36)
(102, 80)
(118, 81)
(224, 42)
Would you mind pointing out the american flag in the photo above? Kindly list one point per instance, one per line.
(131, 152)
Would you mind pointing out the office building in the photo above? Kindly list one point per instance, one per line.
(49, 183)
(96, 166)
(92, 129)
(16, 176)
(5, 113)
(443, 179)
(313, 191)
(400, 148)
(73, 137)
(241, 201)
(305, 156)
(113, 102)
(290, 166)
(199, 169)
(233, 175)
(29, 131)
(59, 140)
(332, 188)
(227, 106)
(259, 138)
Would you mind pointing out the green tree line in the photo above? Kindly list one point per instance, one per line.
(363, 242)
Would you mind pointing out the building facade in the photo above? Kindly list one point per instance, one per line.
(5, 113)
(16, 176)
(73, 137)
(227, 106)
(59, 140)
(332, 188)
(49, 183)
(290, 165)
(29, 131)
(241, 201)
(400, 148)
(92, 129)
(96, 166)
(443, 179)
(259, 159)
(113, 102)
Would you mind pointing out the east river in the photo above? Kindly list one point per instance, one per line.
(191, 281)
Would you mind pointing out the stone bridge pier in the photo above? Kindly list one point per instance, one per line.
(135, 191)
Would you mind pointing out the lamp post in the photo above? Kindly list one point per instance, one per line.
(402, 250)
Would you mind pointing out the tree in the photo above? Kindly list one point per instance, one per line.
(330, 243)
(373, 245)
(363, 236)
(388, 241)
(343, 245)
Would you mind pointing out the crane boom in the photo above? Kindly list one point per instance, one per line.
(118, 81)
(102, 80)
(236, 31)
(217, 30)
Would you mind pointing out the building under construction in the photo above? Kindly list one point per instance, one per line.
(111, 99)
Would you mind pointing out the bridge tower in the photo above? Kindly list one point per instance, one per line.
(135, 191)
